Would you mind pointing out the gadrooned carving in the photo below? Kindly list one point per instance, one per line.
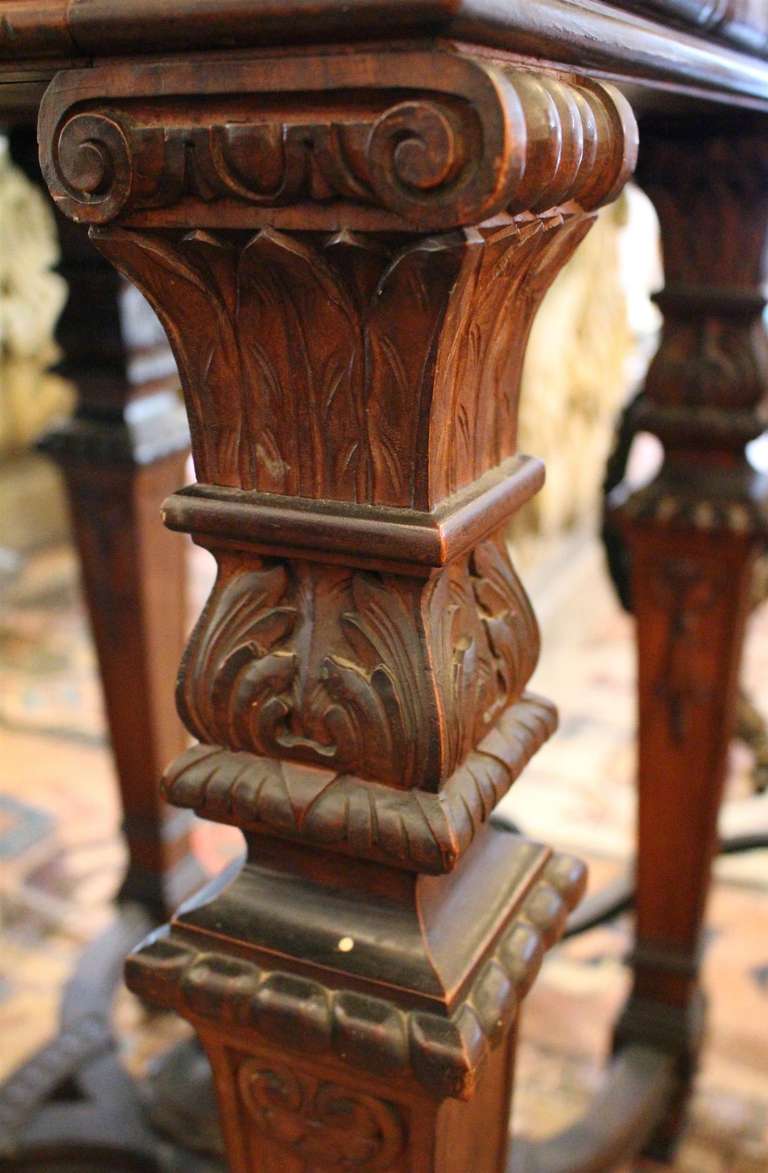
(444, 1051)
(411, 829)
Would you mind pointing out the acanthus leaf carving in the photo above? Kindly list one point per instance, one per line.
(709, 190)
(379, 675)
(304, 377)
(315, 664)
(384, 676)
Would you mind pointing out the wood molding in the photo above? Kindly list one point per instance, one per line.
(409, 829)
(590, 36)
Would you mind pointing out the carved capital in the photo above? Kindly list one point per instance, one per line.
(706, 392)
(353, 400)
(428, 137)
(347, 251)
(319, 383)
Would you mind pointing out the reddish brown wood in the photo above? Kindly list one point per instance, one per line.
(134, 585)
(347, 249)
(694, 534)
(347, 262)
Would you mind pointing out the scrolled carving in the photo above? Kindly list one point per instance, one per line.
(93, 157)
(415, 148)
(484, 644)
(330, 1127)
(314, 664)
(479, 137)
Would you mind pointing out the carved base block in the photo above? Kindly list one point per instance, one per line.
(327, 1008)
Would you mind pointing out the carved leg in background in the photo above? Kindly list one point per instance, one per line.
(349, 314)
(121, 455)
(694, 535)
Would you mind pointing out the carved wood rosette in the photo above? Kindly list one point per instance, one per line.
(347, 251)
(694, 534)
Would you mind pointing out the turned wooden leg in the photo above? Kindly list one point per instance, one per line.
(348, 280)
(694, 534)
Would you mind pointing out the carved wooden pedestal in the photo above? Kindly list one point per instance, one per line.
(347, 251)
(694, 534)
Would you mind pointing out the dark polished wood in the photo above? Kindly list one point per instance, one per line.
(743, 23)
(38, 38)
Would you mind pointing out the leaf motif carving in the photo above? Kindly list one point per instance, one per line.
(312, 663)
(382, 371)
(484, 644)
(328, 1126)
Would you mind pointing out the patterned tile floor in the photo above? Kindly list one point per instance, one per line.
(60, 856)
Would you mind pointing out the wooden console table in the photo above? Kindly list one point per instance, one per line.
(346, 216)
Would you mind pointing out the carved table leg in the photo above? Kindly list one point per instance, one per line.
(348, 280)
(694, 534)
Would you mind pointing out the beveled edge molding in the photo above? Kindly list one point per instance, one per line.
(357, 533)
(409, 829)
(443, 1053)
(483, 136)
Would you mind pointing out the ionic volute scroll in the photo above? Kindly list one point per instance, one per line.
(347, 251)
(481, 138)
